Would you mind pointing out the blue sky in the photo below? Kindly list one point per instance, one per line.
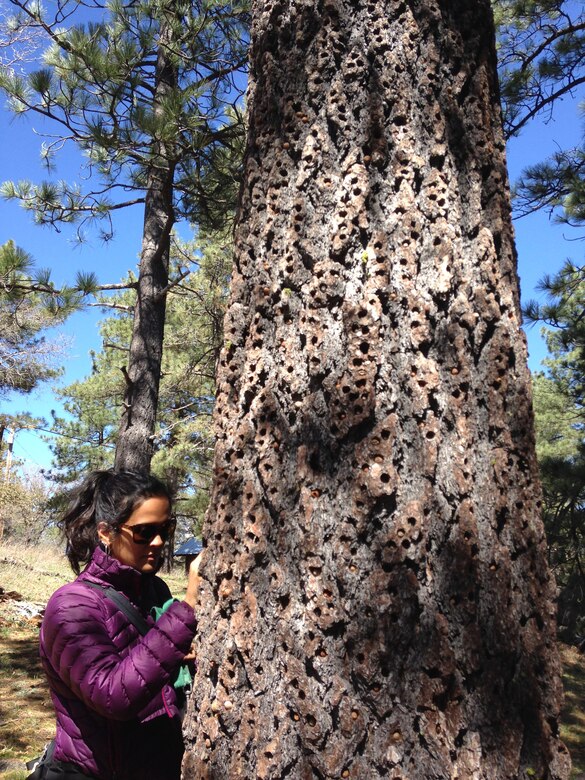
(542, 248)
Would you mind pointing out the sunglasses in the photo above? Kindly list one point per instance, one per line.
(147, 532)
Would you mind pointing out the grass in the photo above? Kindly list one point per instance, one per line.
(23, 729)
(35, 572)
(573, 715)
(26, 715)
(27, 720)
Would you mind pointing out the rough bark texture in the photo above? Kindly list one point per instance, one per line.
(376, 599)
(135, 444)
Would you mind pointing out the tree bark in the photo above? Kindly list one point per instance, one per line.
(376, 601)
(135, 445)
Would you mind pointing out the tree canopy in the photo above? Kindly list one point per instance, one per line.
(542, 62)
(541, 47)
(148, 92)
(560, 425)
(27, 356)
(98, 88)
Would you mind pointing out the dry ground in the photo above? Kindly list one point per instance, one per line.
(573, 717)
(26, 716)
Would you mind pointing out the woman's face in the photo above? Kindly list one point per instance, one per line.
(140, 541)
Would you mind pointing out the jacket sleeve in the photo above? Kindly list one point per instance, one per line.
(77, 643)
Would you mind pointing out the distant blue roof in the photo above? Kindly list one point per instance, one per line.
(191, 547)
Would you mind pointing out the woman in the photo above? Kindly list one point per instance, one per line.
(112, 687)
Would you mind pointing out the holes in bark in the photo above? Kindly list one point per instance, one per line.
(311, 671)
(437, 161)
(501, 517)
(336, 630)
(260, 560)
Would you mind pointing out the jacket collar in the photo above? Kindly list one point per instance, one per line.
(106, 570)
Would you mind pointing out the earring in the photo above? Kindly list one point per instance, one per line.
(102, 531)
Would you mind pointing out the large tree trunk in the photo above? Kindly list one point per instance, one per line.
(135, 444)
(376, 598)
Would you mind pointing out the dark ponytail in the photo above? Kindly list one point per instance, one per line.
(107, 497)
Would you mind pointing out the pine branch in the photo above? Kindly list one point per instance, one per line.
(540, 105)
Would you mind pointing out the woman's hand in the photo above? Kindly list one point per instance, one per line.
(193, 582)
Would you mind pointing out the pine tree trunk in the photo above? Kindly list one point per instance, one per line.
(376, 599)
(135, 444)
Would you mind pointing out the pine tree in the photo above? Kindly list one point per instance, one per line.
(556, 185)
(376, 599)
(542, 62)
(147, 92)
(541, 56)
(560, 423)
(28, 310)
(183, 442)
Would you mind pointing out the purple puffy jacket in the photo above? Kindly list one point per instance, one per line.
(117, 714)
